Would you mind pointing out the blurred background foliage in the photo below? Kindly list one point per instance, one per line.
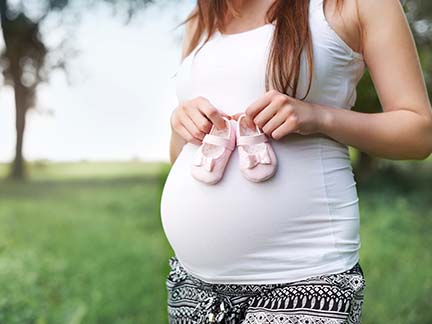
(26, 61)
(83, 242)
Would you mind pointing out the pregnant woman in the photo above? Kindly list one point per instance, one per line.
(284, 250)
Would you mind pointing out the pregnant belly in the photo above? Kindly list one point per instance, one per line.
(290, 219)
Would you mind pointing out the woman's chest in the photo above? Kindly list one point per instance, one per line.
(228, 70)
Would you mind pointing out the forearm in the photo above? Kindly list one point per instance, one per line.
(176, 145)
(397, 135)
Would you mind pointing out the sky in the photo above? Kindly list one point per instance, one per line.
(118, 104)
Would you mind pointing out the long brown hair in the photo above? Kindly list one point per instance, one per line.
(292, 35)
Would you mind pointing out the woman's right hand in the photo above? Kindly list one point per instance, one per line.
(193, 119)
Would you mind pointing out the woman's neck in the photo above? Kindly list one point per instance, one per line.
(251, 13)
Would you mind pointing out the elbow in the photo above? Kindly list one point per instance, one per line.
(426, 147)
(428, 151)
(423, 155)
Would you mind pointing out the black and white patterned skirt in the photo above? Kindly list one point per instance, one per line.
(325, 299)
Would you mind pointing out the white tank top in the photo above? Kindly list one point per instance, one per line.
(302, 222)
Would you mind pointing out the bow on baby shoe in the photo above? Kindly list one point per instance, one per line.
(206, 161)
(263, 157)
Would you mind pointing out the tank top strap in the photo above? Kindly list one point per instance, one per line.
(317, 15)
(316, 8)
(316, 3)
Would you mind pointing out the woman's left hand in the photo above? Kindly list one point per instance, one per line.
(278, 114)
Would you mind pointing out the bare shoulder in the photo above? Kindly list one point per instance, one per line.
(374, 13)
(357, 21)
(391, 56)
(371, 10)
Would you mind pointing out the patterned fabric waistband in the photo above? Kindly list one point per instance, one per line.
(224, 303)
(179, 272)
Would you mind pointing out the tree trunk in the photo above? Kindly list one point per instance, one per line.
(18, 170)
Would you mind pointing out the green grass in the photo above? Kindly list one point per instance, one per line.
(42, 170)
(83, 243)
(83, 250)
(396, 228)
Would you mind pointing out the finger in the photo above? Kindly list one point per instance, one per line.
(191, 127)
(225, 114)
(259, 104)
(266, 114)
(213, 114)
(183, 132)
(236, 116)
(200, 121)
(284, 129)
(249, 122)
(276, 121)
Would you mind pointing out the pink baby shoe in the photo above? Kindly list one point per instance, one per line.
(213, 154)
(256, 156)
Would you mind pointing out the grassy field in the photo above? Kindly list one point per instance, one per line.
(83, 243)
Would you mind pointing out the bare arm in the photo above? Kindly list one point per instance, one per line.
(404, 129)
